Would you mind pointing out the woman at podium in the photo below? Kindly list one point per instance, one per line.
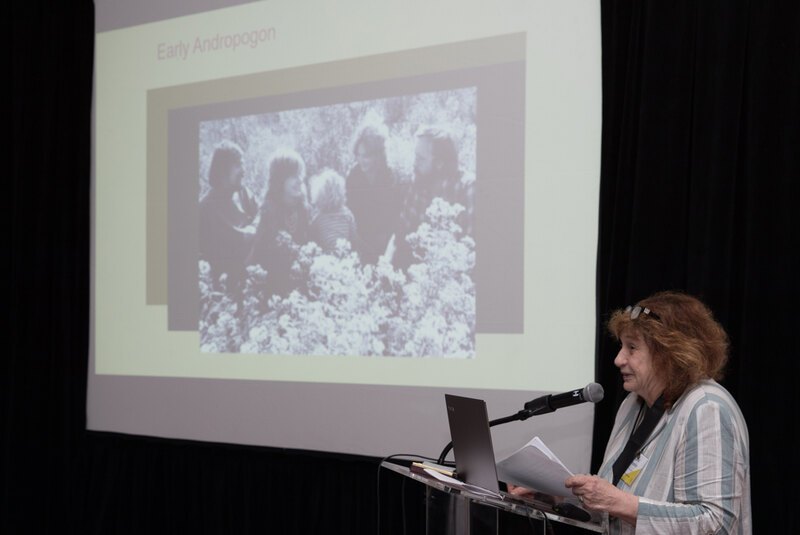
(677, 460)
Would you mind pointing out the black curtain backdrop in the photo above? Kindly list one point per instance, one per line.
(699, 185)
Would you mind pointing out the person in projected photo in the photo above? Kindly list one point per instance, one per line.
(333, 220)
(677, 460)
(284, 218)
(226, 216)
(436, 174)
(374, 194)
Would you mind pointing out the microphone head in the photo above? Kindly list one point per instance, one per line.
(593, 392)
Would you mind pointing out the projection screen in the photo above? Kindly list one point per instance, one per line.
(313, 219)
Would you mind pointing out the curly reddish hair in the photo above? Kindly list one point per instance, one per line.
(687, 344)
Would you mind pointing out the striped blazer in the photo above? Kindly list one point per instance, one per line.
(693, 473)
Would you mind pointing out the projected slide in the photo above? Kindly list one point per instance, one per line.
(332, 226)
(345, 208)
(295, 275)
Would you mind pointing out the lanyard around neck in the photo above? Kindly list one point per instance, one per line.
(640, 434)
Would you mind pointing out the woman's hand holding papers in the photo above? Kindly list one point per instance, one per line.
(600, 495)
(522, 492)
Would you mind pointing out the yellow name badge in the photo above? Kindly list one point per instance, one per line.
(635, 469)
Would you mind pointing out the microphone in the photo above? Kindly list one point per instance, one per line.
(592, 392)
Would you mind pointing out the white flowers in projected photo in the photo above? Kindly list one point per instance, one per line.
(340, 230)
(347, 308)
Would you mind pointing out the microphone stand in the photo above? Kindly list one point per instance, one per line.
(520, 416)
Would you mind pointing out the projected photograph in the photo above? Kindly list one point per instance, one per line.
(344, 229)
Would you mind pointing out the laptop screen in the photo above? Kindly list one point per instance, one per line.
(472, 441)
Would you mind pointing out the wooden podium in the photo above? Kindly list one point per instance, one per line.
(457, 509)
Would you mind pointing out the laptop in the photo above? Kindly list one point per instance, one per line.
(472, 442)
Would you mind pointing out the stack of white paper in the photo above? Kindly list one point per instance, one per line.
(536, 467)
